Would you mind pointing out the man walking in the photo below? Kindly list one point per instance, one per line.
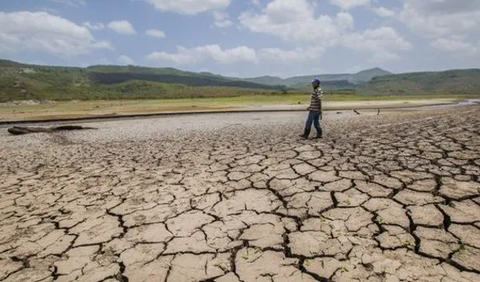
(315, 111)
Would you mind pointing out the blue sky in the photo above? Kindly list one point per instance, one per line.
(245, 37)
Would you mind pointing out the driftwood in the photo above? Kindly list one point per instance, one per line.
(17, 130)
(358, 113)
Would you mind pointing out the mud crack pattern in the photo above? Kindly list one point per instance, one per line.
(394, 197)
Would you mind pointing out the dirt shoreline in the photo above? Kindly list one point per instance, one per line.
(12, 119)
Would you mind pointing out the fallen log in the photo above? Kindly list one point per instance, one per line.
(18, 130)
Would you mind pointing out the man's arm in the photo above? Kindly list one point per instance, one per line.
(320, 103)
(318, 97)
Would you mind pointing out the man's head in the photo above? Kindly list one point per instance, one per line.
(316, 83)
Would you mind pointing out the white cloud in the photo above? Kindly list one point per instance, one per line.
(125, 60)
(185, 56)
(41, 31)
(344, 21)
(222, 19)
(455, 45)
(298, 54)
(437, 18)
(189, 7)
(349, 4)
(295, 20)
(73, 3)
(214, 53)
(50, 11)
(255, 2)
(384, 56)
(443, 6)
(97, 26)
(353, 69)
(381, 42)
(99, 61)
(155, 33)
(122, 27)
(383, 12)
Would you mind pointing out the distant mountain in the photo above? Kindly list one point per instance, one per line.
(297, 80)
(367, 75)
(300, 81)
(425, 83)
(267, 80)
(327, 85)
(25, 82)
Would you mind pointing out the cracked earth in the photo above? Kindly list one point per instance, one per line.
(229, 198)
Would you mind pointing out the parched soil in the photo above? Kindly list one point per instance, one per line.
(393, 197)
(46, 110)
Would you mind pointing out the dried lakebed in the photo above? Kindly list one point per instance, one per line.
(393, 197)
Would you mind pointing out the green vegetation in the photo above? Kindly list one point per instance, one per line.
(349, 80)
(32, 82)
(452, 82)
(367, 75)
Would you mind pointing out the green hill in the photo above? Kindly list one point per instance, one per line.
(267, 80)
(32, 82)
(455, 82)
(327, 85)
(367, 75)
(297, 81)
(26, 82)
(300, 81)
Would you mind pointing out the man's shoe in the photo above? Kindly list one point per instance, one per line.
(305, 134)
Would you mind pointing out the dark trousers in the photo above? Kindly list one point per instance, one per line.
(313, 117)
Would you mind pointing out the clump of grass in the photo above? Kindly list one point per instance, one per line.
(380, 220)
(460, 248)
(343, 269)
(409, 243)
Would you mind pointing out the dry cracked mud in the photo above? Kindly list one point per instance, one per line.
(230, 198)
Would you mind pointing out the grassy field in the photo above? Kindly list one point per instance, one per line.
(33, 82)
(29, 82)
(453, 82)
(69, 109)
